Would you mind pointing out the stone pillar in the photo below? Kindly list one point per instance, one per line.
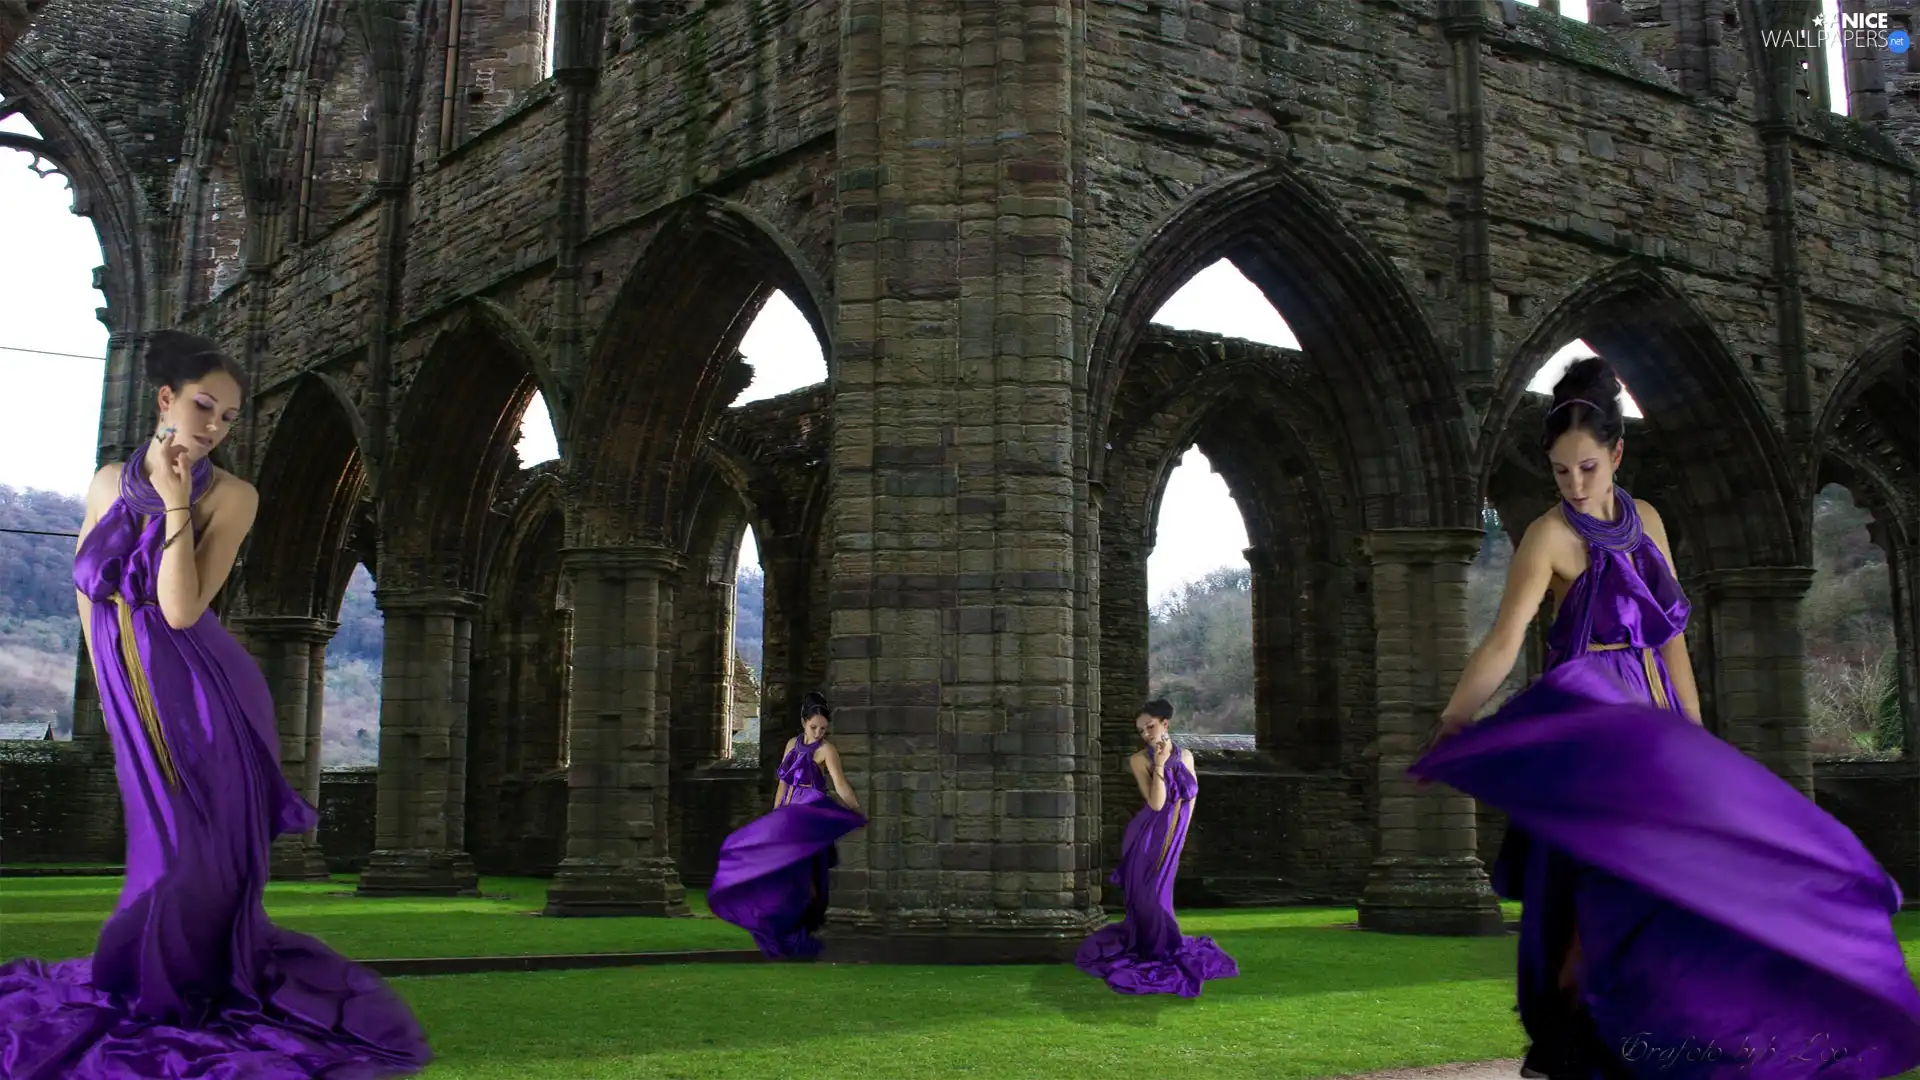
(420, 831)
(1426, 877)
(1903, 564)
(703, 653)
(954, 507)
(291, 651)
(1123, 631)
(617, 860)
(783, 645)
(1758, 659)
(1272, 640)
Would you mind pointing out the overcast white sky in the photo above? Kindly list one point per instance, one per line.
(47, 302)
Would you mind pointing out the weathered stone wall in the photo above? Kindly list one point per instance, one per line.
(708, 803)
(48, 806)
(1880, 802)
(348, 805)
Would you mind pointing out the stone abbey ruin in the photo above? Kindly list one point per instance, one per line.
(408, 227)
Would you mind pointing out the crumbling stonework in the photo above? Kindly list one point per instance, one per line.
(1436, 195)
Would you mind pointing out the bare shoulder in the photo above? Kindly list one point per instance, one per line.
(1138, 760)
(1551, 541)
(827, 749)
(1186, 758)
(1650, 516)
(229, 490)
(1551, 525)
(792, 741)
(106, 480)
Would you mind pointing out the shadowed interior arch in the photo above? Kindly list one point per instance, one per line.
(1252, 418)
(1357, 324)
(459, 422)
(517, 725)
(665, 366)
(311, 486)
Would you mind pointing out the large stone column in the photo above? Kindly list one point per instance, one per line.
(1426, 878)
(618, 860)
(420, 831)
(1903, 566)
(1758, 664)
(291, 651)
(955, 510)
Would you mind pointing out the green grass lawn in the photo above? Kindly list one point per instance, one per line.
(1313, 1000)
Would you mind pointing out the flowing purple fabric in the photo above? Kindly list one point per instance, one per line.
(1728, 926)
(189, 978)
(1145, 953)
(772, 877)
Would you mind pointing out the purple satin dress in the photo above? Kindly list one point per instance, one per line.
(1728, 926)
(1145, 953)
(772, 877)
(189, 978)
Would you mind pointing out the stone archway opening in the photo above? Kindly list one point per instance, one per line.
(1853, 679)
(1200, 653)
(746, 660)
(350, 722)
(537, 443)
(48, 333)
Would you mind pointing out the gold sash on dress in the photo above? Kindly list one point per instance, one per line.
(1655, 684)
(143, 691)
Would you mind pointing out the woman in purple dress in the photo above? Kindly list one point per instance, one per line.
(1145, 953)
(1686, 913)
(189, 978)
(772, 877)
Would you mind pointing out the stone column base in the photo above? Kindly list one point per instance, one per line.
(419, 872)
(958, 936)
(297, 858)
(589, 886)
(1431, 895)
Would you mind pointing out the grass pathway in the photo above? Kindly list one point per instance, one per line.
(1315, 999)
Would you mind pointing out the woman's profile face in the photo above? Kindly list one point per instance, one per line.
(202, 413)
(1151, 728)
(1583, 469)
(814, 727)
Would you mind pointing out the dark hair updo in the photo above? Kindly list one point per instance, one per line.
(1587, 397)
(176, 358)
(1159, 708)
(815, 704)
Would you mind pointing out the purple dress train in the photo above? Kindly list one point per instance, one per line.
(189, 978)
(772, 878)
(1145, 953)
(1728, 926)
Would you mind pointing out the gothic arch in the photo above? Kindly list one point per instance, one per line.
(312, 482)
(219, 166)
(1733, 472)
(517, 724)
(1356, 321)
(664, 363)
(1263, 419)
(105, 188)
(1872, 409)
(343, 107)
(453, 445)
